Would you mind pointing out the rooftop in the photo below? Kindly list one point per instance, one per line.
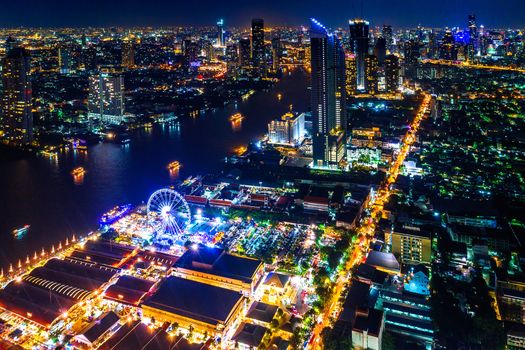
(216, 261)
(195, 300)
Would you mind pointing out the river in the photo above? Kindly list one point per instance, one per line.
(41, 192)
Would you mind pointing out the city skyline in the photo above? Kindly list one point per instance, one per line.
(59, 13)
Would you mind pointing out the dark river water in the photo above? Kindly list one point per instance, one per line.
(41, 192)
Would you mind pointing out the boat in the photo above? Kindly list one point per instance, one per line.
(78, 171)
(237, 117)
(20, 232)
(174, 165)
(115, 214)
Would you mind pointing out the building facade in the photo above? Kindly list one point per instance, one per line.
(17, 115)
(328, 97)
(106, 98)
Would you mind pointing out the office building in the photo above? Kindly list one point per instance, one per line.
(351, 74)
(128, 54)
(411, 52)
(64, 60)
(391, 73)
(190, 50)
(289, 130)
(328, 96)
(412, 244)
(359, 47)
(380, 50)
(448, 49)
(276, 54)
(387, 34)
(17, 115)
(473, 29)
(220, 32)
(257, 43)
(106, 98)
(371, 74)
(244, 53)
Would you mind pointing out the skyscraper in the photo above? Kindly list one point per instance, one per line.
(17, 116)
(391, 73)
(387, 34)
(244, 53)
(64, 60)
(448, 49)
(351, 78)
(411, 52)
(106, 97)
(380, 50)
(328, 96)
(257, 44)
(128, 53)
(220, 32)
(359, 47)
(473, 29)
(276, 53)
(371, 74)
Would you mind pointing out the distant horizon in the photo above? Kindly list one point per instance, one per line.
(57, 14)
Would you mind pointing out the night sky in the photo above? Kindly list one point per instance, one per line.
(399, 13)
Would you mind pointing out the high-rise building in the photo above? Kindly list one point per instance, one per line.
(448, 49)
(17, 116)
(380, 50)
(433, 46)
(328, 96)
(64, 60)
(412, 53)
(371, 74)
(387, 34)
(220, 32)
(473, 29)
(351, 77)
(244, 53)
(10, 43)
(391, 73)
(128, 54)
(106, 97)
(190, 50)
(276, 53)
(359, 47)
(257, 44)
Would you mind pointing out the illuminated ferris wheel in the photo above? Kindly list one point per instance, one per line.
(168, 215)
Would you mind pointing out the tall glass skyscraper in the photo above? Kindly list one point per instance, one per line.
(359, 29)
(257, 42)
(220, 32)
(17, 116)
(328, 96)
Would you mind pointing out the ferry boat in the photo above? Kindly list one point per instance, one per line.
(237, 117)
(78, 171)
(174, 165)
(20, 232)
(115, 214)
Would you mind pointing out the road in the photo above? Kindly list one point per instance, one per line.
(366, 228)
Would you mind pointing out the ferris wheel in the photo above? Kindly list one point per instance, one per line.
(168, 215)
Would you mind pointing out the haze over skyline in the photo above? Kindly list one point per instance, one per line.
(409, 13)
